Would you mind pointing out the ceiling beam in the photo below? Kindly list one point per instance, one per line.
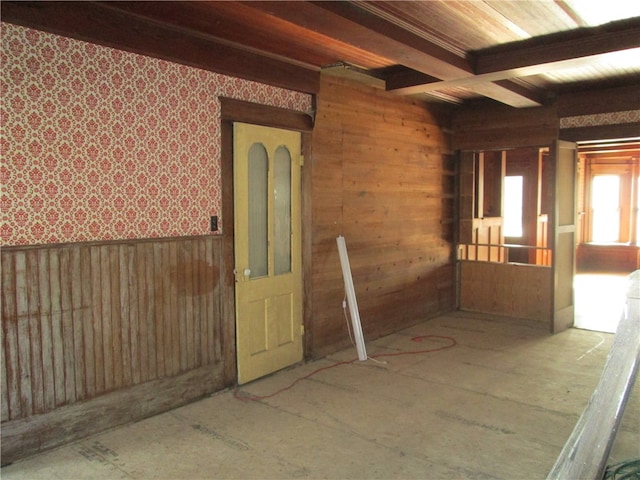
(410, 82)
(558, 51)
(356, 26)
(509, 93)
(538, 55)
(238, 25)
(100, 24)
(350, 24)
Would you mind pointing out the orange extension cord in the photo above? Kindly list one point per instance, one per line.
(250, 397)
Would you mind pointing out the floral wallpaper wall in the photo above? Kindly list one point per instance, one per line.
(101, 144)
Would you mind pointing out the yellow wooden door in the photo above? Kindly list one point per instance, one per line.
(268, 266)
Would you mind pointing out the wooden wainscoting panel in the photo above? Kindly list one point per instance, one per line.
(82, 320)
(516, 290)
(88, 330)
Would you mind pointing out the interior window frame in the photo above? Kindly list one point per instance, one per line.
(628, 186)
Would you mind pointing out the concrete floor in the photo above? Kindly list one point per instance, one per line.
(499, 404)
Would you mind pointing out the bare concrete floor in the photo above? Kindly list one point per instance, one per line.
(499, 404)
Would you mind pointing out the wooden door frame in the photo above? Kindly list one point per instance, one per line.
(232, 110)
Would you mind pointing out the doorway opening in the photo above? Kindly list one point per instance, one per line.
(608, 231)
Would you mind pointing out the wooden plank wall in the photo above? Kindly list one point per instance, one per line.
(82, 320)
(383, 176)
(520, 291)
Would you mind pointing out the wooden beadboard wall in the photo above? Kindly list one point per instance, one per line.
(383, 176)
(516, 290)
(81, 322)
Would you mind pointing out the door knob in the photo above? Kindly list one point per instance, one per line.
(247, 272)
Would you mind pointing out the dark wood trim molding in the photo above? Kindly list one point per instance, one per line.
(248, 112)
(96, 243)
(591, 102)
(105, 24)
(307, 243)
(601, 132)
(227, 278)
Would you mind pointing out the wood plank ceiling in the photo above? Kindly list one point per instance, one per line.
(520, 53)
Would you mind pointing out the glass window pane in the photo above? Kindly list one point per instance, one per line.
(282, 210)
(512, 217)
(605, 208)
(258, 204)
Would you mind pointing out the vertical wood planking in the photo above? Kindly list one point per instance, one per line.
(107, 347)
(165, 295)
(83, 320)
(24, 341)
(214, 317)
(199, 291)
(10, 336)
(66, 312)
(44, 292)
(151, 313)
(4, 395)
(57, 346)
(188, 263)
(96, 319)
(87, 323)
(223, 298)
(143, 307)
(180, 299)
(159, 280)
(196, 294)
(199, 304)
(78, 320)
(125, 312)
(210, 277)
(134, 325)
(206, 294)
(116, 315)
(174, 320)
(35, 333)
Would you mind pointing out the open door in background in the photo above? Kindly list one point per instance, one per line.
(268, 265)
(563, 234)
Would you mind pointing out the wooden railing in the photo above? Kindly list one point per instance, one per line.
(499, 252)
(586, 452)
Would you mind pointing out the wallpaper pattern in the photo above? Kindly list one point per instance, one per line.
(613, 118)
(101, 144)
